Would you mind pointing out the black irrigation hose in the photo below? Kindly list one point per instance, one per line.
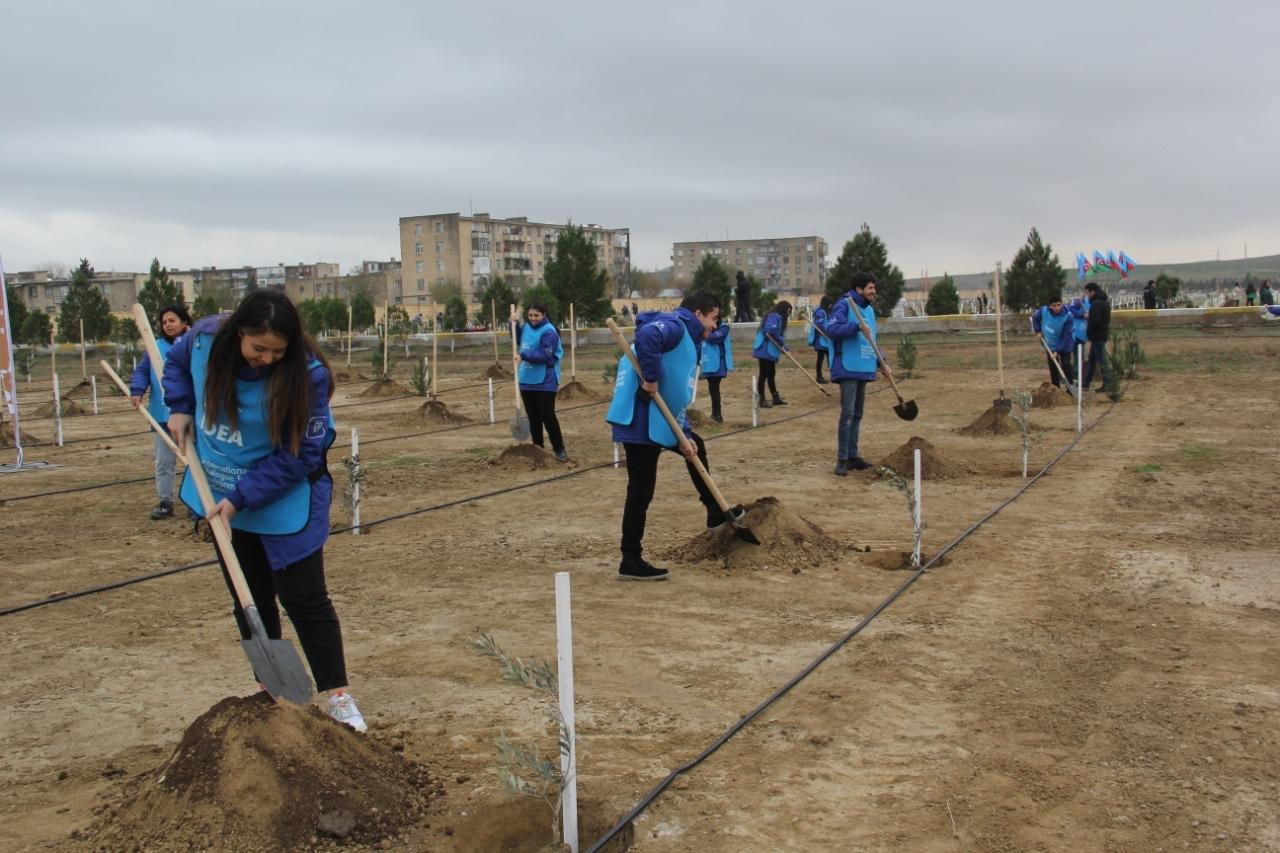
(90, 488)
(724, 738)
(419, 511)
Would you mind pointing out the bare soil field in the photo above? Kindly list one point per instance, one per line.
(1092, 668)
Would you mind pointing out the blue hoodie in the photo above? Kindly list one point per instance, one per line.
(547, 352)
(816, 340)
(1080, 323)
(275, 474)
(768, 336)
(1056, 328)
(846, 335)
(144, 380)
(717, 353)
(657, 333)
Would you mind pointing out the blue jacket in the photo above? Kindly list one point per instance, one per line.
(768, 336)
(845, 335)
(1080, 324)
(717, 353)
(547, 353)
(1058, 329)
(657, 333)
(143, 380)
(817, 341)
(278, 472)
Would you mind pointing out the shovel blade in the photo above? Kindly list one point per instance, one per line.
(519, 427)
(907, 410)
(738, 521)
(275, 662)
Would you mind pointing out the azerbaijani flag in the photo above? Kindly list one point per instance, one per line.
(1127, 262)
(1082, 266)
(1099, 261)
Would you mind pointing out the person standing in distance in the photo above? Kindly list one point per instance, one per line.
(769, 344)
(1097, 329)
(742, 299)
(539, 375)
(174, 322)
(1054, 325)
(853, 365)
(817, 334)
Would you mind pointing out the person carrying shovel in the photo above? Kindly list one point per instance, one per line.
(769, 344)
(853, 365)
(256, 390)
(1055, 327)
(668, 347)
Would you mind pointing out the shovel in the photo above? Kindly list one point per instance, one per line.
(906, 409)
(1053, 356)
(275, 662)
(803, 369)
(519, 422)
(736, 515)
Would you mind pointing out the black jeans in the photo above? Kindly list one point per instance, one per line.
(713, 391)
(768, 371)
(822, 354)
(1097, 360)
(300, 587)
(1066, 368)
(642, 477)
(541, 408)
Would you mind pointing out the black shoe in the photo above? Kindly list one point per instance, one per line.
(632, 568)
(716, 518)
(842, 468)
(717, 417)
(562, 455)
(164, 509)
(857, 463)
(765, 404)
(822, 381)
(778, 401)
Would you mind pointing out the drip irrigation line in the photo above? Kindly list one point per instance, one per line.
(89, 488)
(26, 444)
(455, 428)
(7, 611)
(804, 673)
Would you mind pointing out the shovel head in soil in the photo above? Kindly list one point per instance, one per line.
(275, 662)
(519, 427)
(737, 518)
(907, 410)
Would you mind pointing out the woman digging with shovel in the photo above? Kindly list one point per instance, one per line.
(256, 389)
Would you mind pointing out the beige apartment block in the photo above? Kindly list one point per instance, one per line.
(782, 264)
(470, 250)
(40, 292)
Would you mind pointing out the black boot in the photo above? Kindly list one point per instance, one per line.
(633, 568)
(164, 509)
(716, 416)
(821, 381)
(842, 468)
(857, 463)
(778, 401)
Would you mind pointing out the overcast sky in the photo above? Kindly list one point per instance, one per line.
(254, 133)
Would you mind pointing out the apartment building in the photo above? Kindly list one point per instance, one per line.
(449, 247)
(782, 264)
(41, 292)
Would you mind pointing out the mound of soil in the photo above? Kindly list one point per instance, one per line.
(6, 436)
(496, 371)
(933, 465)
(84, 390)
(349, 376)
(70, 408)
(576, 391)
(436, 412)
(786, 541)
(524, 457)
(253, 775)
(1048, 396)
(994, 421)
(385, 388)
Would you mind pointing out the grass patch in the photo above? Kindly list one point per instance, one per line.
(1147, 469)
(1200, 453)
(482, 453)
(405, 461)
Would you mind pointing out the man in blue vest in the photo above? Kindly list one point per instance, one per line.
(853, 365)
(668, 347)
(1055, 327)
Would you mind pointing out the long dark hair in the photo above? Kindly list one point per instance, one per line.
(288, 388)
(179, 310)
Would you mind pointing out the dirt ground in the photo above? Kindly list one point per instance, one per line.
(1094, 668)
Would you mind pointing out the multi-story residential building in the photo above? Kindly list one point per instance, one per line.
(782, 264)
(448, 247)
(41, 292)
(378, 280)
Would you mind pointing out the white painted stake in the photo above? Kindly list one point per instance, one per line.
(615, 454)
(57, 408)
(915, 553)
(1079, 388)
(755, 402)
(355, 487)
(93, 384)
(564, 668)
(135, 362)
(491, 418)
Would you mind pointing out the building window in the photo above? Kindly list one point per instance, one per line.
(439, 265)
(439, 246)
(417, 248)
(417, 230)
(439, 227)
(418, 267)
(422, 284)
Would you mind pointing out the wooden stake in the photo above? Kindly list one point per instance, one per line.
(386, 341)
(350, 315)
(84, 371)
(999, 333)
(493, 314)
(573, 346)
(53, 351)
(435, 363)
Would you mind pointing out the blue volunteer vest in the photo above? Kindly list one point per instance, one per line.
(760, 348)
(1081, 330)
(226, 454)
(1054, 326)
(816, 340)
(536, 374)
(155, 405)
(676, 383)
(711, 356)
(862, 358)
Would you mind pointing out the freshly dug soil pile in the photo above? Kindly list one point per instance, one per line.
(6, 435)
(576, 391)
(385, 388)
(994, 421)
(496, 371)
(70, 408)
(1047, 396)
(106, 387)
(251, 775)
(349, 376)
(524, 457)
(933, 465)
(436, 412)
(696, 418)
(786, 541)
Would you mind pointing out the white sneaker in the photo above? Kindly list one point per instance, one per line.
(343, 709)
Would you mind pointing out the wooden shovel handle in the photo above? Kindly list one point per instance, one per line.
(803, 369)
(515, 361)
(684, 443)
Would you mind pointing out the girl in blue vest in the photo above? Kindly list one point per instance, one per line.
(853, 365)
(174, 322)
(767, 348)
(667, 347)
(1053, 324)
(717, 362)
(817, 334)
(256, 390)
(539, 376)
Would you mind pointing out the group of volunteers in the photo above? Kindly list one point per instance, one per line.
(1085, 322)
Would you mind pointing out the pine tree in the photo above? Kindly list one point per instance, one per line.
(541, 293)
(455, 314)
(496, 299)
(35, 329)
(158, 291)
(943, 297)
(867, 253)
(573, 276)
(362, 314)
(713, 278)
(84, 302)
(17, 310)
(1034, 276)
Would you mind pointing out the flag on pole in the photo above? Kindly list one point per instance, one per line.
(1083, 267)
(1127, 262)
(1099, 261)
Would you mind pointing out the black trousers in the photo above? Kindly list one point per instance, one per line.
(713, 391)
(642, 477)
(822, 355)
(541, 409)
(300, 587)
(768, 372)
(1066, 368)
